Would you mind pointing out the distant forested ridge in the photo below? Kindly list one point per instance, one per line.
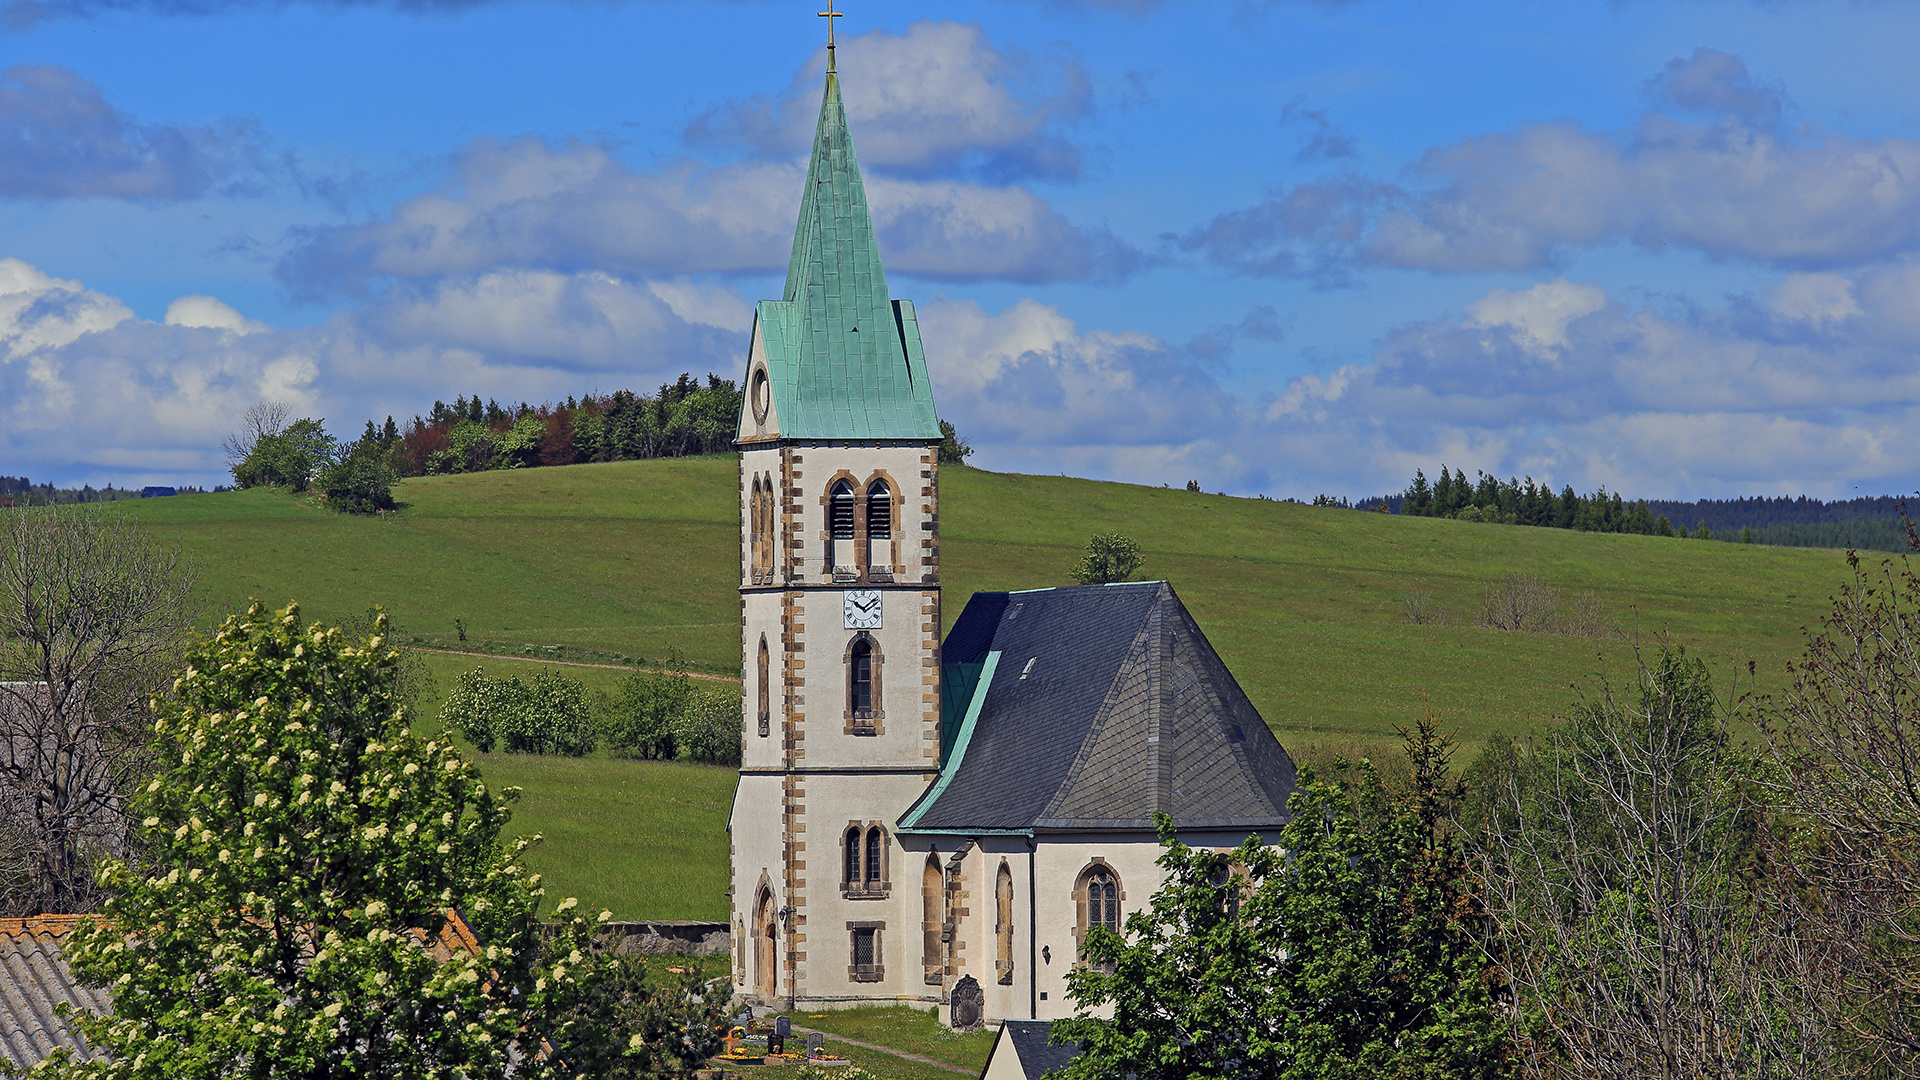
(20, 491)
(1797, 521)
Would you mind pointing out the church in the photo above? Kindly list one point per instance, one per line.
(925, 821)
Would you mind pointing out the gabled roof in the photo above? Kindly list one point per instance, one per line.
(34, 979)
(1028, 1040)
(1091, 708)
(844, 360)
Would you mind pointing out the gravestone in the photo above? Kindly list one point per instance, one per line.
(782, 1027)
(967, 1005)
(816, 1042)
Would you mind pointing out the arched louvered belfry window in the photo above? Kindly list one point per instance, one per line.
(874, 840)
(880, 528)
(840, 499)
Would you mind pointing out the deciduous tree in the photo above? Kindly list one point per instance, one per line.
(1352, 950)
(1630, 867)
(92, 618)
(1110, 557)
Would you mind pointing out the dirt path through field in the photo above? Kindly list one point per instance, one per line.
(921, 1058)
(567, 663)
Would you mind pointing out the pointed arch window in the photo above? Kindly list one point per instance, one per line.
(1003, 925)
(863, 871)
(763, 693)
(864, 664)
(931, 910)
(764, 555)
(879, 531)
(753, 531)
(1097, 897)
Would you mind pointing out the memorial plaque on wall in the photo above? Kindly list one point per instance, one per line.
(967, 1003)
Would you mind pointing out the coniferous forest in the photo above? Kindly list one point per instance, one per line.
(1787, 521)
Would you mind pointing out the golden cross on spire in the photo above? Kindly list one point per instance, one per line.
(830, 15)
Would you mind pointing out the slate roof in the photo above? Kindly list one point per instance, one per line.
(1037, 1056)
(34, 978)
(1089, 708)
(845, 361)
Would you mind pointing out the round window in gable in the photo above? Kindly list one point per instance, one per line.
(762, 395)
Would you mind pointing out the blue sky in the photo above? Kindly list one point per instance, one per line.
(1277, 247)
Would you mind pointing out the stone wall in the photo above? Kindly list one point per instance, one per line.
(671, 937)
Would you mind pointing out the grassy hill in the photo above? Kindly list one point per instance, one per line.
(1307, 605)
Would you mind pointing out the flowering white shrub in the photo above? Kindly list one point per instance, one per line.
(291, 913)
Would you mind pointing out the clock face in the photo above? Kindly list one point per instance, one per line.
(863, 609)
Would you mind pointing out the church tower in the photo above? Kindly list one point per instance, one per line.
(839, 611)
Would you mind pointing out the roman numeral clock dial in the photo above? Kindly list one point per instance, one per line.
(862, 609)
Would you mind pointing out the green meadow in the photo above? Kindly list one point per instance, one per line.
(638, 561)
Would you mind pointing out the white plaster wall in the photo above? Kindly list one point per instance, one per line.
(833, 801)
(909, 690)
(755, 834)
(760, 614)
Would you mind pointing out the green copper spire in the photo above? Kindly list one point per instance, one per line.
(844, 358)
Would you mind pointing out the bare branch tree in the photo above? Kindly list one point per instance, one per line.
(262, 419)
(1847, 740)
(1639, 935)
(92, 617)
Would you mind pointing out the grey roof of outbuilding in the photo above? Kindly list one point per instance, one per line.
(34, 979)
(1106, 703)
(1038, 1057)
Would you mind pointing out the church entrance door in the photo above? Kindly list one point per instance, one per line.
(765, 950)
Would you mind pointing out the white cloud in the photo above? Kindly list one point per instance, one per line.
(1558, 381)
(214, 314)
(89, 392)
(61, 138)
(1734, 185)
(1540, 313)
(1813, 298)
(571, 207)
(935, 99)
(38, 310)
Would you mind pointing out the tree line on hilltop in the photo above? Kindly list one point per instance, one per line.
(1862, 523)
(682, 418)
